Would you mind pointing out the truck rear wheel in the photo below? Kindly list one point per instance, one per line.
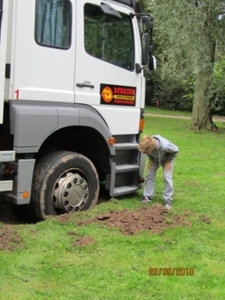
(63, 182)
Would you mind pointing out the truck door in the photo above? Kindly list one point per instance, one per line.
(107, 48)
(42, 65)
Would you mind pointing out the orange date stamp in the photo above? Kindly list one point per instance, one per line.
(171, 272)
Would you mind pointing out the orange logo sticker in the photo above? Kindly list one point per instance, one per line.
(107, 94)
(117, 95)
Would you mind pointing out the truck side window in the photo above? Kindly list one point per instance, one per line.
(109, 38)
(53, 23)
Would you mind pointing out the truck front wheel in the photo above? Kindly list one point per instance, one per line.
(63, 182)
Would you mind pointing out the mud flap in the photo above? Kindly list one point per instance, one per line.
(24, 180)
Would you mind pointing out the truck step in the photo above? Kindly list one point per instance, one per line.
(126, 168)
(126, 146)
(123, 190)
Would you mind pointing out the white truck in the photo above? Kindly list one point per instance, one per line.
(72, 94)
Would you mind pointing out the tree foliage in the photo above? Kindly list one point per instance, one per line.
(218, 105)
(186, 33)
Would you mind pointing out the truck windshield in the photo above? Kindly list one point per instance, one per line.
(109, 38)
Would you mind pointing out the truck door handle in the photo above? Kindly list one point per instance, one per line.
(85, 85)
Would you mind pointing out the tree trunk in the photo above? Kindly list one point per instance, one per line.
(201, 114)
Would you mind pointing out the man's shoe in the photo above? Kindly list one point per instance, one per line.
(146, 199)
(168, 205)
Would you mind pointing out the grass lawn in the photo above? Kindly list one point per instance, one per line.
(48, 264)
(162, 111)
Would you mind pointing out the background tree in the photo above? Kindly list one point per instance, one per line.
(187, 32)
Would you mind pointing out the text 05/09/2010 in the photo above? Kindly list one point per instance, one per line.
(171, 271)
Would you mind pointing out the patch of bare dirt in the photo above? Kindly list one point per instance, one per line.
(205, 219)
(10, 215)
(153, 218)
(9, 239)
(84, 241)
(64, 218)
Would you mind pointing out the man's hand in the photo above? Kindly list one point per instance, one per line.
(168, 166)
(150, 163)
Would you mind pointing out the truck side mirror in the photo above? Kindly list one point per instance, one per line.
(152, 63)
(146, 24)
(145, 48)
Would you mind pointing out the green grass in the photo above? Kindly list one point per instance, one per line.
(49, 266)
(162, 111)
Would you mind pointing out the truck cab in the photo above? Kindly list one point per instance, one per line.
(72, 94)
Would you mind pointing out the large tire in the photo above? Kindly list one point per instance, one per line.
(63, 182)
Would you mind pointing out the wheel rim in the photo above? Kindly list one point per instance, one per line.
(70, 192)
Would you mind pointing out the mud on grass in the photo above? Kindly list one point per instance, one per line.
(9, 217)
(154, 219)
(146, 218)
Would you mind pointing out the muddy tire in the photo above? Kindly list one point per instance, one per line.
(63, 182)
